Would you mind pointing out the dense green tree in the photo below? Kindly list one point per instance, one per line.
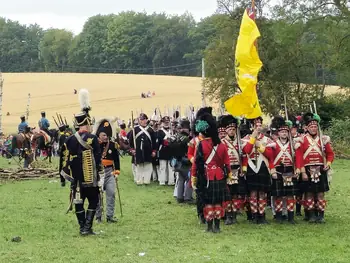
(54, 47)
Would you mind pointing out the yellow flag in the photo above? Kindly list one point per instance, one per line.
(247, 67)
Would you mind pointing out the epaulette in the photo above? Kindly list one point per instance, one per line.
(326, 139)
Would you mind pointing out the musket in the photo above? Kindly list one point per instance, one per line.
(55, 122)
(65, 121)
(238, 131)
(133, 134)
(61, 119)
(290, 134)
(120, 201)
(321, 139)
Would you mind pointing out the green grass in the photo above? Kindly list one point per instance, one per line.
(155, 224)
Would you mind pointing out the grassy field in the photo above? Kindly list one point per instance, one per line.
(154, 224)
(111, 94)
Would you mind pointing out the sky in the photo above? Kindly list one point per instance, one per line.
(72, 14)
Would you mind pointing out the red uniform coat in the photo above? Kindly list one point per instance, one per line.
(283, 154)
(214, 169)
(309, 152)
(263, 154)
(233, 150)
(192, 147)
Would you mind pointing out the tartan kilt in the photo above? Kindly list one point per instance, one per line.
(278, 189)
(216, 193)
(241, 187)
(261, 181)
(311, 187)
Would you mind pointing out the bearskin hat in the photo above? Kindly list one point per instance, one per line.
(229, 121)
(279, 123)
(221, 127)
(206, 125)
(203, 110)
(311, 118)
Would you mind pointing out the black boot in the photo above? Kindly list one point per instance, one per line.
(320, 218)
(313, 218)
(81, 219)
(216, 228)
(254, 218)
(306, 215)
(234, 218)
(279, 217)
(291, 217)
(87, 230)
(262, 219)
(229, 217)
(298, 209)
(249, 215)
(98, 220)
(210, 226)
(201, 219)
(111, 219)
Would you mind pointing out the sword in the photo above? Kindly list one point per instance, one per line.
(70, 207)
(120, 201)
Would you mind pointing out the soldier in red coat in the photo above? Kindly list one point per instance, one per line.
(238, 186)
(314, 156)
(192, 146)
(257, 163)
(284, 180)
(212, 166)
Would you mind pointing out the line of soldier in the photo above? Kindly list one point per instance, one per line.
(291, 164)
(292, 167)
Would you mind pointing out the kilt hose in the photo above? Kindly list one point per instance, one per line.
(259, 182)
(312, 187)
(278, 189)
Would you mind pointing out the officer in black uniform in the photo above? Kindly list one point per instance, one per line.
(81, 158)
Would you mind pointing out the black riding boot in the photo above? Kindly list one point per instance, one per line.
(291, 217)
(210, 226)
(216, 228)
(298, 209)
(279, 217)
(320, 218)
(229, 217)
(87, 230)
(81, 219)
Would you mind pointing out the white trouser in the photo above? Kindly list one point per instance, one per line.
(143, 173)
(165, 173)
(133, 168)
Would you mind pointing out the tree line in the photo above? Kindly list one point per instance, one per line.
(304, 45)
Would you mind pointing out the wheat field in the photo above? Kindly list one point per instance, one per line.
(111, 95)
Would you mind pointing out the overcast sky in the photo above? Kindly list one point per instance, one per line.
(71, 14)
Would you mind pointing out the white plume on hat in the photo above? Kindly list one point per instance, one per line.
(84, 100)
